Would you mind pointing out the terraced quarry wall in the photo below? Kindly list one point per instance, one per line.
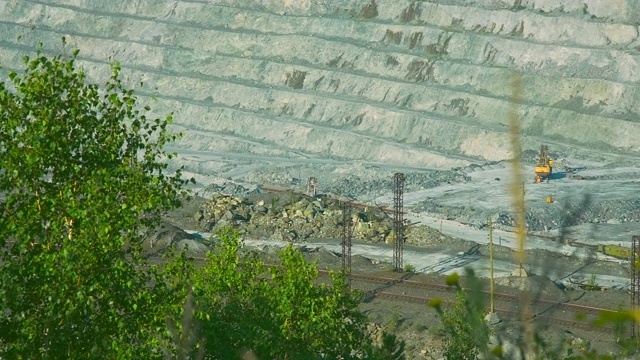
(415, 83)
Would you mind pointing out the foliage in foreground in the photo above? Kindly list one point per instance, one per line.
(81, 177)
(276, 312)
(465, 332)
(467, 336)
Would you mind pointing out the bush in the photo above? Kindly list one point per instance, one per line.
(409, 268)
(277, 312)
(463, 327)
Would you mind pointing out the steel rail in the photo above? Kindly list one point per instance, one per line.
(391, 281)
(505, 296)
(505, 313)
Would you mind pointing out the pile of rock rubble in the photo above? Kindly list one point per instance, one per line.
(290, 217)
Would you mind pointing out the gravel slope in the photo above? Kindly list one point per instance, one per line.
(423, 84)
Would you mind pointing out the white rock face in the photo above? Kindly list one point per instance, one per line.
(424, 84)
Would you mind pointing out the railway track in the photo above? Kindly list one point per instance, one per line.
(504, 306)
(412, 291)
(497, 295)
(509, 314)
(505, 313)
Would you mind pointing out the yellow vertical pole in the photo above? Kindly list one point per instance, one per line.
(522, 231)
(491, 263)
(519, 204)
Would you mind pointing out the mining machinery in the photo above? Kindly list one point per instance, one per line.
(618, 251)
(544, 166)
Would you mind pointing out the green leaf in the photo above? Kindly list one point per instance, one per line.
(452, 279)
(73, 237)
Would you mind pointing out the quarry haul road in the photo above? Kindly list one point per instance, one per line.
(570, 266)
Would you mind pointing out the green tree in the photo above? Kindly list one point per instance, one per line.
(462, 340)
(276, 312)
(466, 334)
(82, 176)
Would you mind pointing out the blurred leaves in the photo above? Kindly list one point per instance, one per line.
(278, 312)
(453, 279)
(80, 185)
(465, 334)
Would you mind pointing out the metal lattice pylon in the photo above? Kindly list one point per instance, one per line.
(347, 233)
(398, 221)
(635, 278)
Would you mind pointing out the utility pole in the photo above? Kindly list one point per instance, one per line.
(347, 232)
(635, 280)
(491, 263)
(312, 184)
(522, 230)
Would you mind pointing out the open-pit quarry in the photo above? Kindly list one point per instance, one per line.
(270, 93)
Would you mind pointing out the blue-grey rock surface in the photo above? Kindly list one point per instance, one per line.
(424, 84)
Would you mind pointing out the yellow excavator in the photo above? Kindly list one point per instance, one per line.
(544, 167)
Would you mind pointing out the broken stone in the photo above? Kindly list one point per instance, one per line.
(492, 318)
(520, 272)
